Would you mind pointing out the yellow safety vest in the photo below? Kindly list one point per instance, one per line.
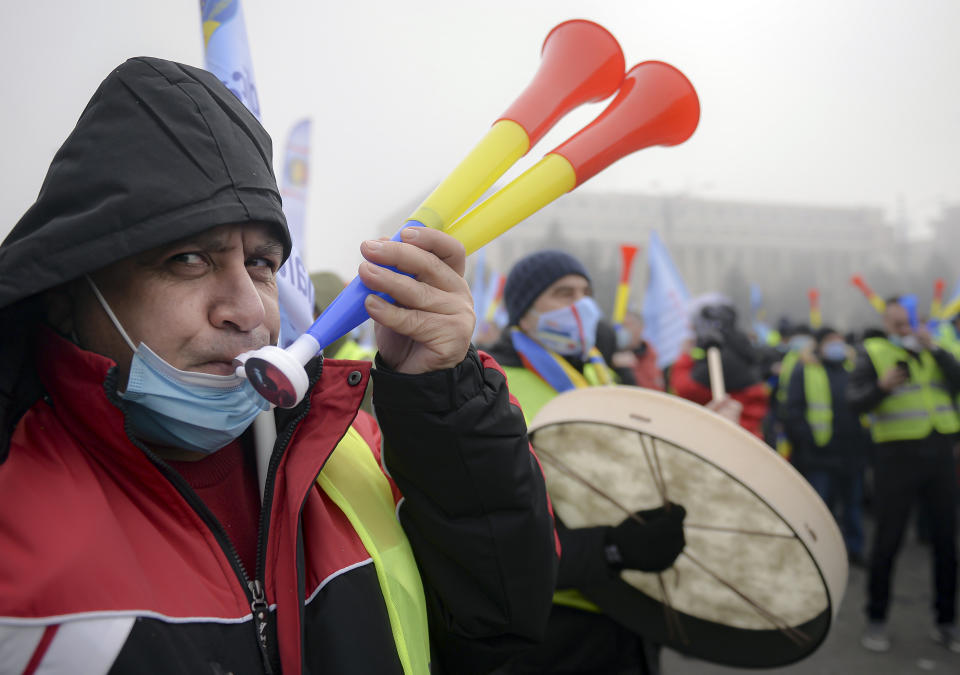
(352, 351)
(816, 388)
(948, 339)
(787, 366)
(913, 410)
(354, 481)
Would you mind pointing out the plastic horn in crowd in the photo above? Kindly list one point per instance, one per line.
(627, 253)
(581, 62)
(816, 316)
(951, 309)
(875, 300)
(936, 305)
(656, 105)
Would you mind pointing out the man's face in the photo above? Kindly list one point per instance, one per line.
(828, 340)
(896, 321)
(197, 303)
(561, 293)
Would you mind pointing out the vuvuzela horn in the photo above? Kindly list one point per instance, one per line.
(656, 105)
(580, 62)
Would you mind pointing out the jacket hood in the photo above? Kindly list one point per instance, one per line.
(161, 152)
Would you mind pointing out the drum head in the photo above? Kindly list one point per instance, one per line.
(764, 567)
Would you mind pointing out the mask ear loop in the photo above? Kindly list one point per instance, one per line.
(110, 314)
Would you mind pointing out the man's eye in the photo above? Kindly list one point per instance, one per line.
(263, 262)
(188, 259)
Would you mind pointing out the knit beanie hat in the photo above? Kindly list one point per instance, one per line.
(532, 275)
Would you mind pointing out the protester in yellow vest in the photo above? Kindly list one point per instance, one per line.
(948, 335)
(549, 348)
(907, 385)
(156, 516)
(797, 339)
(829, 441)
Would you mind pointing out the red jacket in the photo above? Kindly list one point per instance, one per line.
(103, 543)
(754, 398)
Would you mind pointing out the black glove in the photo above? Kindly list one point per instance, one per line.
(651, 546)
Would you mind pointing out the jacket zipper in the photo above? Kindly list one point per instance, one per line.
(258, 604)
(261, 614)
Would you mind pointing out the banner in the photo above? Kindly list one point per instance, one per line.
(227, 56)
(294, 180)
(665, 314)
(757, 315)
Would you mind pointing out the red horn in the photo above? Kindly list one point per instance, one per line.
(580, 62)
(656, 105)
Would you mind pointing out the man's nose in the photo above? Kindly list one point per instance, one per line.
(237, 303)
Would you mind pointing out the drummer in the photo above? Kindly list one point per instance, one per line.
(548, 348)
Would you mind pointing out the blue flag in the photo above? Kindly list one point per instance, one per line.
(665, 315)
(294, 181)
(909, 303)
(756, 302)
(227, 56)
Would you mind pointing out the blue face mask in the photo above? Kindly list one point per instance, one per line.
(908, 342)
(571, 330)
(834, 351)
(800, 342)
(182, 409)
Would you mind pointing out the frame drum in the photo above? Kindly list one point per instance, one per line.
(764, 568)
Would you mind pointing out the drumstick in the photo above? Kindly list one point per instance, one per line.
(715, 367)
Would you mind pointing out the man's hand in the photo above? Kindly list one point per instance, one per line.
(430, 326)
(624, 359)
(893, 378)
(727, 407)
(652, 541)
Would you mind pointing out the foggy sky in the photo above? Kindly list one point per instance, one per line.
(852, 103)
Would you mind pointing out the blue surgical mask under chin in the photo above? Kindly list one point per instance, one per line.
(182, 409)
(571, 330)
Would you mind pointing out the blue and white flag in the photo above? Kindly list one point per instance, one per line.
(756, 302)
(294, 181)
(227, 56)
(760, 328)
(665, 314)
